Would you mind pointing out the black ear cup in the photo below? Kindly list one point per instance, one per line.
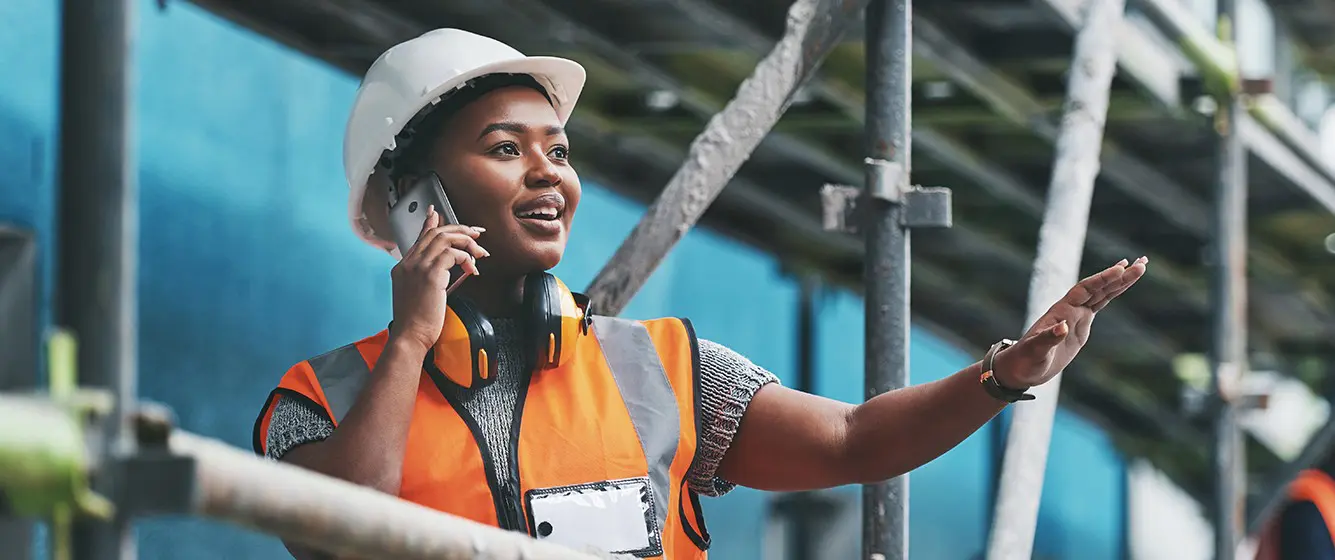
(467, 353)
(467, 350)
(543, 304)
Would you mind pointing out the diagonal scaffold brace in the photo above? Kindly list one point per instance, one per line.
(1056, 268)
(813, 28)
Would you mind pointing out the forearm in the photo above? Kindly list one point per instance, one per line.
(899, 431)
(368, 446)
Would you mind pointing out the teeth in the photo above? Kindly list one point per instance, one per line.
(544, 214)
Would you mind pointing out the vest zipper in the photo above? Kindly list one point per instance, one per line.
(515, 505)
(504, 497)
(500, 493)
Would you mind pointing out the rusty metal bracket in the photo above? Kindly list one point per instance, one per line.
(924, 207)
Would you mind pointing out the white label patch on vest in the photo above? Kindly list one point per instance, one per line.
(615, 516)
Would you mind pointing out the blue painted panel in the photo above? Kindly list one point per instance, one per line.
(949, 497)
(28, 102)
(1082, 513)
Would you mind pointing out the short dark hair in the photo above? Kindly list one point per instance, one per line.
(412, 152)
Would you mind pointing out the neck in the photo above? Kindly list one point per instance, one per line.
(494, 296)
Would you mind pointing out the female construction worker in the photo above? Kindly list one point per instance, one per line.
(509, 403)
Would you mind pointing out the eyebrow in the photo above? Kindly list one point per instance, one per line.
(516, 128)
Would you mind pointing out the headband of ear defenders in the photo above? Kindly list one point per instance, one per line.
(553, 318)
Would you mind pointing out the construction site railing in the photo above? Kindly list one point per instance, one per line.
(43, 458)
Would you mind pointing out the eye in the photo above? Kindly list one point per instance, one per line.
(560, 152)
(507, 148)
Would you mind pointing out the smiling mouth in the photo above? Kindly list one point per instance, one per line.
(543, 214)
(546, 208)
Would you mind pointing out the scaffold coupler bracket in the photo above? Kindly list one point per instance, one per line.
(924, 207)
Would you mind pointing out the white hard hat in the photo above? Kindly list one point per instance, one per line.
(417, 72)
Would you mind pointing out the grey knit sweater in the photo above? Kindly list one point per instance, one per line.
(728, 381)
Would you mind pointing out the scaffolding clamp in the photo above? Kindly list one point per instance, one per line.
(924, 207)
(927, 207)
(887, 180)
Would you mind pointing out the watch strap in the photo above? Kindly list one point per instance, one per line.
(989, 381)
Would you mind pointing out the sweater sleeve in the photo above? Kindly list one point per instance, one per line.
(728, 382)
(295, 422)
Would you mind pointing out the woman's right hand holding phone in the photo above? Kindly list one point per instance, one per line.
(422, 277)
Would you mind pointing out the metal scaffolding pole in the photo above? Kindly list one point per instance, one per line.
(18, 353)
(1228, 286)
(889, 45)
(1056, 268)
(340, 517)
(813, 28)
(804, 510)
(98, 223)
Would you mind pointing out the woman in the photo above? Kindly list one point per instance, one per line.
(505, 404)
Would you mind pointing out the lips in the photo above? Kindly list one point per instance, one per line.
(548, 207)
(542, 215)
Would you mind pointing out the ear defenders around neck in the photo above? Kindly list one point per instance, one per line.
(555, 320)
(552, 316)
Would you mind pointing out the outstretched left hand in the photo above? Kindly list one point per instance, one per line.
(1059, 334)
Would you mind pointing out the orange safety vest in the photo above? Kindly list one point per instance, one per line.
(1314, 486)
(619, 420)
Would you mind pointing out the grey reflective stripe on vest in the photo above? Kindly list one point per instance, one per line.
(644, 386)
(341, 374)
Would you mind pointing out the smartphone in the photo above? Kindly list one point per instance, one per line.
(408, 210)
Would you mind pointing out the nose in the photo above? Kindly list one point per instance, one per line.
(542, 174)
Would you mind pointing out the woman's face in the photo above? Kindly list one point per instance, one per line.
(504, 161)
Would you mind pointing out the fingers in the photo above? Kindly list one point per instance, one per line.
(446, 246)
(1129, 277)
(1040, 343)
(462, 237)
(1052, 336)
(457, 256)
(1093, 286)
(431, 222)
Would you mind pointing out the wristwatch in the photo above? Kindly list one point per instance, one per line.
(989, 379)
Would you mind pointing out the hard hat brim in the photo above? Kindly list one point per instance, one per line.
(562, 78)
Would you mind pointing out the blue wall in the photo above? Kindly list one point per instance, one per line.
(248, 266)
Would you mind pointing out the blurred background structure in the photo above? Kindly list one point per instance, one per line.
(246, 264)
